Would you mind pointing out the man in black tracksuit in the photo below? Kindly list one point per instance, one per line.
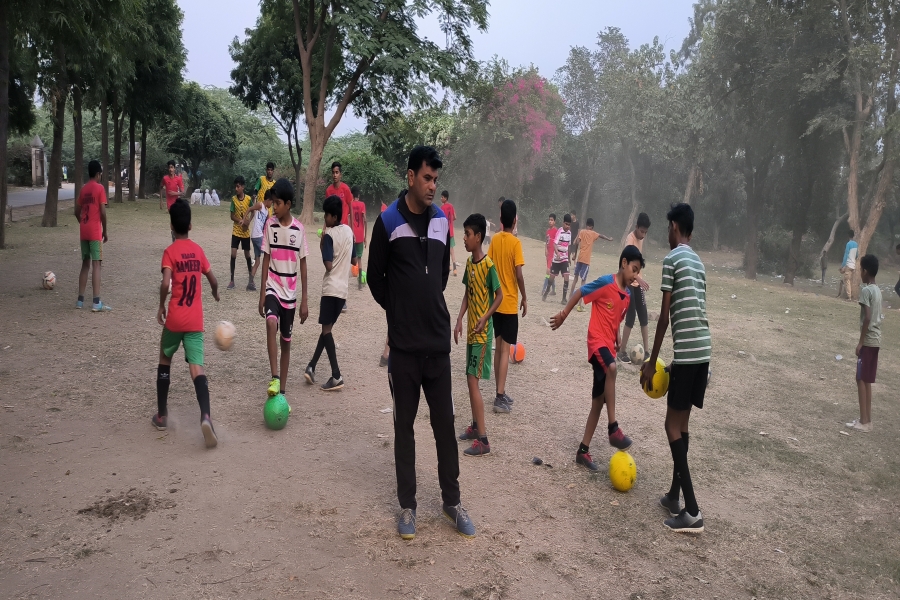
(409, 264)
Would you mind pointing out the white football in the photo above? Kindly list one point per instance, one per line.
(637, 353)
(225, 333)
(49, 280)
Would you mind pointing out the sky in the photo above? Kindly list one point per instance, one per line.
(521, 31)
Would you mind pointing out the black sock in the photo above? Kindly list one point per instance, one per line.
(565, 289)
(474, 425)
(679, 458)
(81, 298)
(249, 263)
(233, 260)
(675, 490)
(162, 389)
(611, 428)
(201, 386)
(96, 299)
(319, 347)
(582, 449)
(484, 440)
(332, 355)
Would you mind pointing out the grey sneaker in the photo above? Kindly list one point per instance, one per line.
(209, 434)
(501, 405)
(623, 358)
(672, 506)
(584, 458)
(383, 362)
(333, 384)
(459, 517)
(251, 287)
(508, 400)
(469, 434)
(310, 375)
(685, 523)
(406, 524)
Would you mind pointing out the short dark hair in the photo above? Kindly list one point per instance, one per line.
(589, 222)
(446, 194)
(423, 155)
(270, 165)
(643, 220)
(851, 234)
(94, 167)
(477, 223)
(283, 190)
(553, 216)
(631, 254)
(180, 216)
(500, 200)
(355, 191)
(567, 218)
(507, 213)
(333, 206)
(682, 215)
(572, 212)
(268, 194)
(897, 247)
(869, 264)
(171, 163)
(240, 180)
(336, 164)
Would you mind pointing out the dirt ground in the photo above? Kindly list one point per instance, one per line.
(95, 503)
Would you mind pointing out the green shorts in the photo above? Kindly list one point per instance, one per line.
(92, 249)
(453, 241)
(358, 249)
(193, 345)
(478, 360)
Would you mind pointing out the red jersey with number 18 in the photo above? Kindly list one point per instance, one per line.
(188, 264)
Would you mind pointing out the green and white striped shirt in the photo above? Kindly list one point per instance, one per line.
(685, 276)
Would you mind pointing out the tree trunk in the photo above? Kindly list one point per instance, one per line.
(317, 150)
(58, 108)
(632, 218)
(131, 142)
(801, 210)
(830, 240)
(77, 128)
(142, 187)
(587, 196)
(878, 203)
(4, 114)
(715, 240)
(693, 175)
(118, 125)
(751, 250)
(104, 142)
(793, 261)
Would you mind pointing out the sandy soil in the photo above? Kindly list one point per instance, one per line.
(95, 503)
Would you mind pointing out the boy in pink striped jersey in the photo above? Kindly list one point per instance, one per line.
(284, 253)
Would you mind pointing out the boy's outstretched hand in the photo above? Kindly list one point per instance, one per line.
(648, 370)
(557, 320)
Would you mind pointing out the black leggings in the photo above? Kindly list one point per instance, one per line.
(637, 305)
(897, 288)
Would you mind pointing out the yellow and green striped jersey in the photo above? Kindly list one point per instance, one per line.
(481, 283)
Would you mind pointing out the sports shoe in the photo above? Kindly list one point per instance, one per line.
(383, 362)
(469, 434)
(344, 309)
(580, 308)
(618, 439)
(310, 375)
(623, 358)
(685, 523)
(477, 449)
(332, 385)
(251, 287)
(406, 524)
(159, 422)
(360, 286)
(209, 434)
(101, 307)
(553, 292)
(274, 387)
(672, 506)
(459, 517)
(501, 406)
(865, 428)
(563, 301)
(544, 295)
(508, 400)
(231, 285)
(79, 304)
(584, 458)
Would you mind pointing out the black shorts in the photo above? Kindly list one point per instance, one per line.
(559, 268)
(601, 361)
(506, 327)
(330, 309)
(244, 243)
(687, 385)
(284, 316)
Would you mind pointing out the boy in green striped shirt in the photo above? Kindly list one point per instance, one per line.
(684, 303)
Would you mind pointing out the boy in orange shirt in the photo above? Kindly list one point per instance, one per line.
(582, 248)
(638, 289)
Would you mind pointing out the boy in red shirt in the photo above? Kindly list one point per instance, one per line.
(450, 213)
(182, 265)
(341, 190)
(548, 250)
(172, 187)
(90, 210)
(360, 229)
(609, 296)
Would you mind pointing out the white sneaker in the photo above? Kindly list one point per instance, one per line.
(865, 428)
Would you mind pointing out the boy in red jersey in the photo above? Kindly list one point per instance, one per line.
(360, 230)
(171, 188)
(341, 190)
(609, 296)
(90, 210)
(182, 265)
(450, 213)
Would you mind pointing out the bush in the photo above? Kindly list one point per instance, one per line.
(774, 248)
(19, 164)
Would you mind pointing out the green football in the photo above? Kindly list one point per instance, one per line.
(276, 412)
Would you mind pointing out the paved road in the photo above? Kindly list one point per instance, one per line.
(28, 197)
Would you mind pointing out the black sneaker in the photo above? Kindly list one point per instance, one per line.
(469, 434)
(673, 507)
(333, 384)
(477, 449)
(584, 458)
(623, 358)
(159, 422)
(685, 523)
(501, 405)
(618, 439)
(310, 375)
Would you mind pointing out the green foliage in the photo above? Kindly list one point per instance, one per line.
(774, 248)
